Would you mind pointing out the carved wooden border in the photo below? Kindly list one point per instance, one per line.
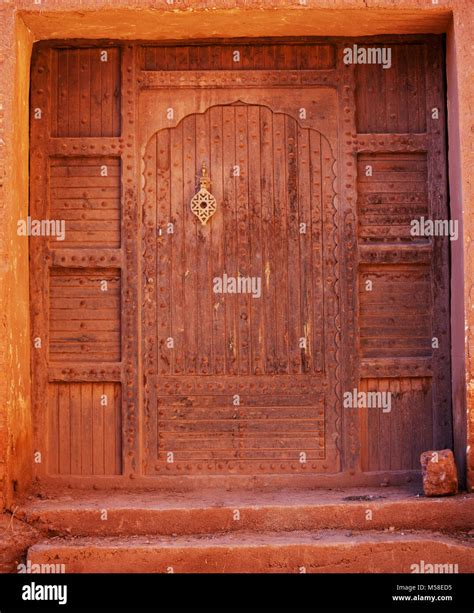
(350, 445)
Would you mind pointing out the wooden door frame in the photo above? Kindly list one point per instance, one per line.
(350, 144)
(25, 23)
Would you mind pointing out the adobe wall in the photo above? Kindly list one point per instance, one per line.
(24, 21)
(15, 424)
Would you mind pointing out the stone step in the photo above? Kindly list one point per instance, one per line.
(210, 512)
(247, 552)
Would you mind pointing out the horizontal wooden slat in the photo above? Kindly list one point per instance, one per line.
(76, 298)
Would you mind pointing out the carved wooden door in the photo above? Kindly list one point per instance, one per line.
(238, 353)
(164, 346)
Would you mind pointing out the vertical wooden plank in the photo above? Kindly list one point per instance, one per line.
(365, 434)
(280, 230)
(75, 409)
(403, 405)
(423, 106)
(215, 57)
(170, 53)
(230, 223)
(149, 254)
(296, 327)
(73, 93)
(148, 54)
(117, 95)
(304, 240)
(401, 67)
(371, 448)
(107, 94)
(98, 429)
(280, 60)
(388, 447)
(85, 92)
(291, 56)
(226, 60)
(268, 57)
(248, 57)
(178, 217)
(118, 447)
(376, 114)
(218, 238)
(257, 330)
(64, 429)
(86, 430)
(52, 454)
(204, 57)
(268, 241)
(160, 58)
(413, 117)
(391, 97)
(193, 57)
(62, 109)
(96, 92)
(164, 278)
(190, 277)
(203, 255)
(425, 417)
(54, 92)
(182, 58)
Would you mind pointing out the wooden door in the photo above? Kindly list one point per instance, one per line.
(239, 377)
(143, 369)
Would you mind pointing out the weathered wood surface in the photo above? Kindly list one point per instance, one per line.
(228, 383)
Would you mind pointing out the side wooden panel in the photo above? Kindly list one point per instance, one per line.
(85, 92)
(403, 274)
(393, 99)
(392, 191)
(76, 277)
(85, 429)
(395, 311)
(84, 311)
(398, 434)
(85, 194)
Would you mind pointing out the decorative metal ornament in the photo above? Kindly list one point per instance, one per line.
(203, 204)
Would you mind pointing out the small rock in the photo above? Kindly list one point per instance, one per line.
(440, 476)
(391, 529)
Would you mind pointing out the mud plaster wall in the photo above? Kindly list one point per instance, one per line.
(23, 21)
(15, 424)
